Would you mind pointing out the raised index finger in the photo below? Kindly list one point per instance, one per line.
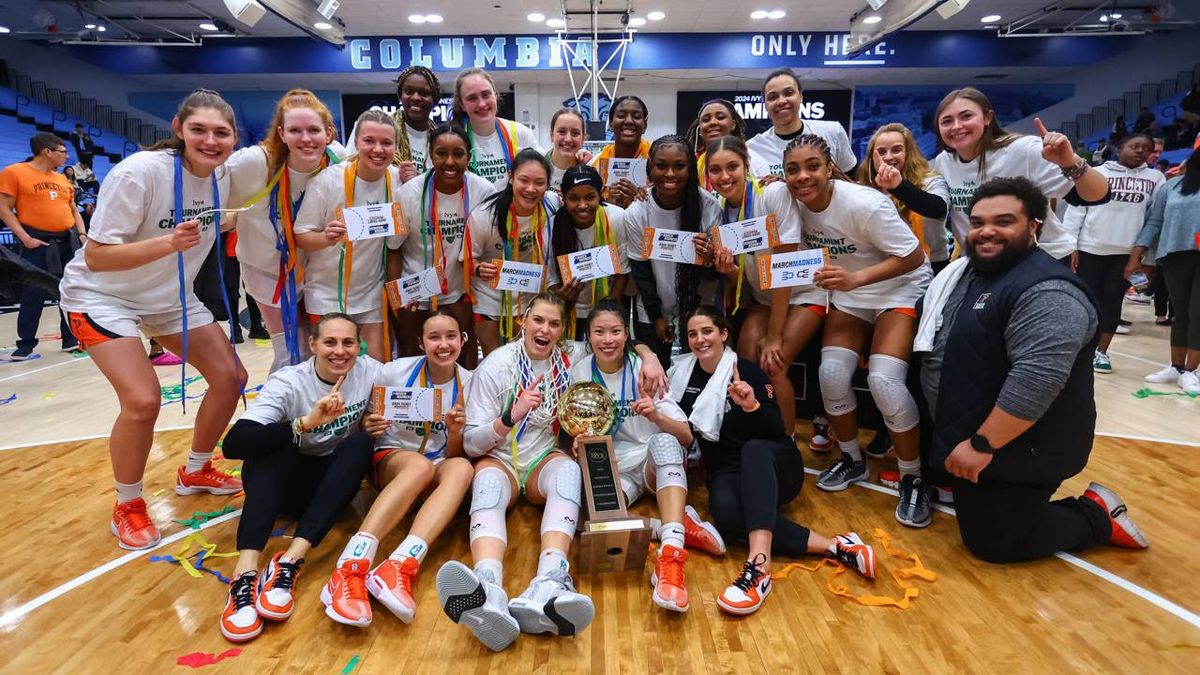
(337, 387)
(537, 381)
(736, 376)
(1039, 127)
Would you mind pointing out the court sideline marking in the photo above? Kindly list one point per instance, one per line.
(75, 439)
(38, 370)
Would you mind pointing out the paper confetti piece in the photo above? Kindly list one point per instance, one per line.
(259, 342)
(201, 659)
(200, 517)
(79, 354)
(48, 395)
(1147, 393)
(351, 665)
(279, 531)
(158, 492)
(196, 569)
(10, 399)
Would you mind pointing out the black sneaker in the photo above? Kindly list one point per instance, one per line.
(259, 333)
(913, 508)
(842, 473)
(21, 354)
(879, 446)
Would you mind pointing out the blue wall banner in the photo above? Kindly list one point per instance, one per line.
(648, 51)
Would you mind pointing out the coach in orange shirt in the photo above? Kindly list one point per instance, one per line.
(38, 204)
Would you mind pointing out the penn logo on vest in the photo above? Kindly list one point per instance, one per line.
(982, 301)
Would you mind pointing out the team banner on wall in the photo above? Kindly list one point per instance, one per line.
(354, 105)
(833, 105)
(648, 51)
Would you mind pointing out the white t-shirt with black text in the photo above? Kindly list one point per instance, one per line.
(405, 372)
(487, 246)
(488, 158)
(587, 239)
(770, 146)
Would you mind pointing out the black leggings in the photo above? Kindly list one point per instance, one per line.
(313, 489)
(1104, 275)
(747, 497)
(1162, 297)
(645, 334)
(1181, 271)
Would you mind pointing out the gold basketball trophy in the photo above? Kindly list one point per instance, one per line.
(610, 540)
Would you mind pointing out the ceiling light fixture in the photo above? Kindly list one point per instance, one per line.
(321, 25)
(556, 23)
(101, 29)
(776, 14)
(89, 26)
(208, 27)
(990, 18)
(416, 18)
(656, 15)
(1115, 15)
(872, 20)
(636, 22)
(758, 14)
(433, 18)
(1103, 18)
(536, 17)
(3, 29)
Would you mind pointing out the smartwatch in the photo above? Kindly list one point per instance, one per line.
(981, 444)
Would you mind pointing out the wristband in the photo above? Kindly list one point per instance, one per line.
(506, 418)
(981, 444)
(1076, 171)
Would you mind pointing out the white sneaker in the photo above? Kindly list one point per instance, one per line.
(551, 605)
(1189, 381)
(477, 603)
(1139, 298)
(1123, 330)
(1168, 375)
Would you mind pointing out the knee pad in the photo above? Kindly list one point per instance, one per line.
(563, 497)
(886, 381)
(667, 455)
(837, 369)
(490, 492)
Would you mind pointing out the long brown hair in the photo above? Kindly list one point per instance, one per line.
(276, 149)
(200, 98)
(915, 169)
(994, 135)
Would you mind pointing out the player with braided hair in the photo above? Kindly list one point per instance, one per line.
(419, 91)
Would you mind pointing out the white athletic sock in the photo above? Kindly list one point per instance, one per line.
(551, 560)
(197, 460)
(127, 492)
(909, 467)
(672, 534)
(491, 567)
(279, 347)
(851, 448)
(361, 545)
(412, 547)
(656, 526)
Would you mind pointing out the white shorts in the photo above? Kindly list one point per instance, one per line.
(870, 315)
(260, 284)
(114, 320)
(360, 318)
(634, 482)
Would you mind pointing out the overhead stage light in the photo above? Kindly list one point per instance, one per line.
(872, 20)
(656, 15)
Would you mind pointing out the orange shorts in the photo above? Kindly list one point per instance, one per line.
(819, 310)
(376, 462)
(87, 331)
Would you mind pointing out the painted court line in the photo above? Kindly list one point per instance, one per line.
(74, 439)
(1150, 439)
(1136, 358)
(1120, 582)
(17, 614)
(38, 370)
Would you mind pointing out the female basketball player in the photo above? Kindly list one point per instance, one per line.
(513, 224)
(342, 275)
(511, 429)
(717, 118)
(751, 464)
(650, 438)
(666, 290)
(271, 178)
(418, 91)
(974, 148)
(627, 119)
(303, 454)
(495, 142)
(876, 272)
(783, 96)
(156, 222)
(568, 131)
(436, 208)
(779, 322)
(584, 222)
(412, 460)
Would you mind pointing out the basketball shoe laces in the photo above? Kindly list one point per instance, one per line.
(406, 580)
(355, 587)
(286, 577)
(134, 518)
(671, 570)
(751, 573)
(843, 553)
(243, 592)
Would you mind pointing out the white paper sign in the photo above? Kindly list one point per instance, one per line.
(518, 276)
(415, 287)
(796, 268)
(632, 169)
(669, 245)
(747, 236)
(589, 264)
(370, 222)
(408, 404)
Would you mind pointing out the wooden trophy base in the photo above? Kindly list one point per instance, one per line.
(613, 545)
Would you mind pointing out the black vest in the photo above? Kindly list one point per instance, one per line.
(976, 365)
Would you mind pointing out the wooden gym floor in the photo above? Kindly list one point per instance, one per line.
(73, 602)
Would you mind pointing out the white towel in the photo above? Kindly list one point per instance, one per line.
(935, 301)
(709, 409)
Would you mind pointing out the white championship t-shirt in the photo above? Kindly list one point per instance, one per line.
(635, 431)
(248, 174)
(136, 203)
(488, 158)
(770, 146)
(775, 199)
(486, 246)
(292, 391)
(326, 194)
(418, 141)
(1022, 157)
(418, 247)
(860, 228)
(647, 213)
(405, 372)
(587, 239)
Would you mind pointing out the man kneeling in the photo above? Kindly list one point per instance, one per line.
(1009, 335)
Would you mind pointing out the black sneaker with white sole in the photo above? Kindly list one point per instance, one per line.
(842, 473)
(913, 508)
(879, 446)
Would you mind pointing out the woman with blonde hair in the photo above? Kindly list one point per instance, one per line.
(495, 141)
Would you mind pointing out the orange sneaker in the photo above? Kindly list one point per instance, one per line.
(391, 583)
(850, 550)
(700, 535)
(670, 587)
(240, 622)
(208, 480)
(345, 595)
(276, 592)
(748, 591)
(132, 525)
(1125, 532)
